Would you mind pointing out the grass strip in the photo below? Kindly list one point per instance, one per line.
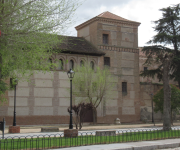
(57, 141)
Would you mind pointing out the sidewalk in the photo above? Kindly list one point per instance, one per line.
(144, 145)
(37, 128)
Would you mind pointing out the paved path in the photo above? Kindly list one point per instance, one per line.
(144, 145)
(37, 128)
(80, 133)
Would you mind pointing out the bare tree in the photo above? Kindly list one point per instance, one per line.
(92, 85)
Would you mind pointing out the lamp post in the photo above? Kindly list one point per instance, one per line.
(15, 84)
(152, 109)
(70, 74)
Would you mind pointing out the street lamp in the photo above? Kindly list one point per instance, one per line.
(14, 83)
(152, 108)
(70, 74)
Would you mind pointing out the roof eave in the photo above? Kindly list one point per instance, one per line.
(83, 53)
(103, 18)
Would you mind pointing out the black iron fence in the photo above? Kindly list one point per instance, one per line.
(46, 141)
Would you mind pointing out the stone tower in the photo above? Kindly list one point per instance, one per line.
(118, 38)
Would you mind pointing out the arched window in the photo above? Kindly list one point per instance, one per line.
(60, 64)
(71, 64)
(81, 63)
(92, 65)
(50, 63)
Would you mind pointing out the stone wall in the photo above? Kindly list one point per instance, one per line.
(147, 89)
(46, 96)
(124, 68)
(45, 99)
(119, 35)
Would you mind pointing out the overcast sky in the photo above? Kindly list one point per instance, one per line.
(143, 11)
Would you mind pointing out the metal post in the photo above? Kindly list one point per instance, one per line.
(3, 128)
(14, 120)
(70, 124)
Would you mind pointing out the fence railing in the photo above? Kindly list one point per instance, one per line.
(41, 142)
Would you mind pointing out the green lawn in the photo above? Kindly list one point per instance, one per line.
(54, 142)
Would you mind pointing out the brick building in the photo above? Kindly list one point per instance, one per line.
(106, 39)
(149, 87)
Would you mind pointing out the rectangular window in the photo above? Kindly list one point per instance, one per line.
(124, 88)
(107, 61)
(105, 38)
(145, 68)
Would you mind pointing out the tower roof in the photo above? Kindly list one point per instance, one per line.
(109, 16)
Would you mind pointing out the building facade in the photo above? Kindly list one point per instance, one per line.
(106, 39)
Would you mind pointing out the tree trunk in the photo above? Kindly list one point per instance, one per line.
(179, 84)
(172, 118)
(178, 75)
(167, 97)
(94, 115)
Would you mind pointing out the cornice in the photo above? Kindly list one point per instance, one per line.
(108, 20)
(119, 49)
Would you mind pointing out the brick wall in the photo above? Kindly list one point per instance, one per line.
(45, 99)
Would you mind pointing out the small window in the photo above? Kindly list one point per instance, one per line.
(92, 65)
(145, 68)
(71, 64)
(60, 64)
(105, 38)
(81, 63)
(124, 88)
(107, 61)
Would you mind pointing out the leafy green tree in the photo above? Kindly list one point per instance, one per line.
(158, 98)
(92, 85)
(166, 55)
(29, 34)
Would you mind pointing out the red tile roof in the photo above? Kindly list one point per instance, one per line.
(107, 14)
(77, 45)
